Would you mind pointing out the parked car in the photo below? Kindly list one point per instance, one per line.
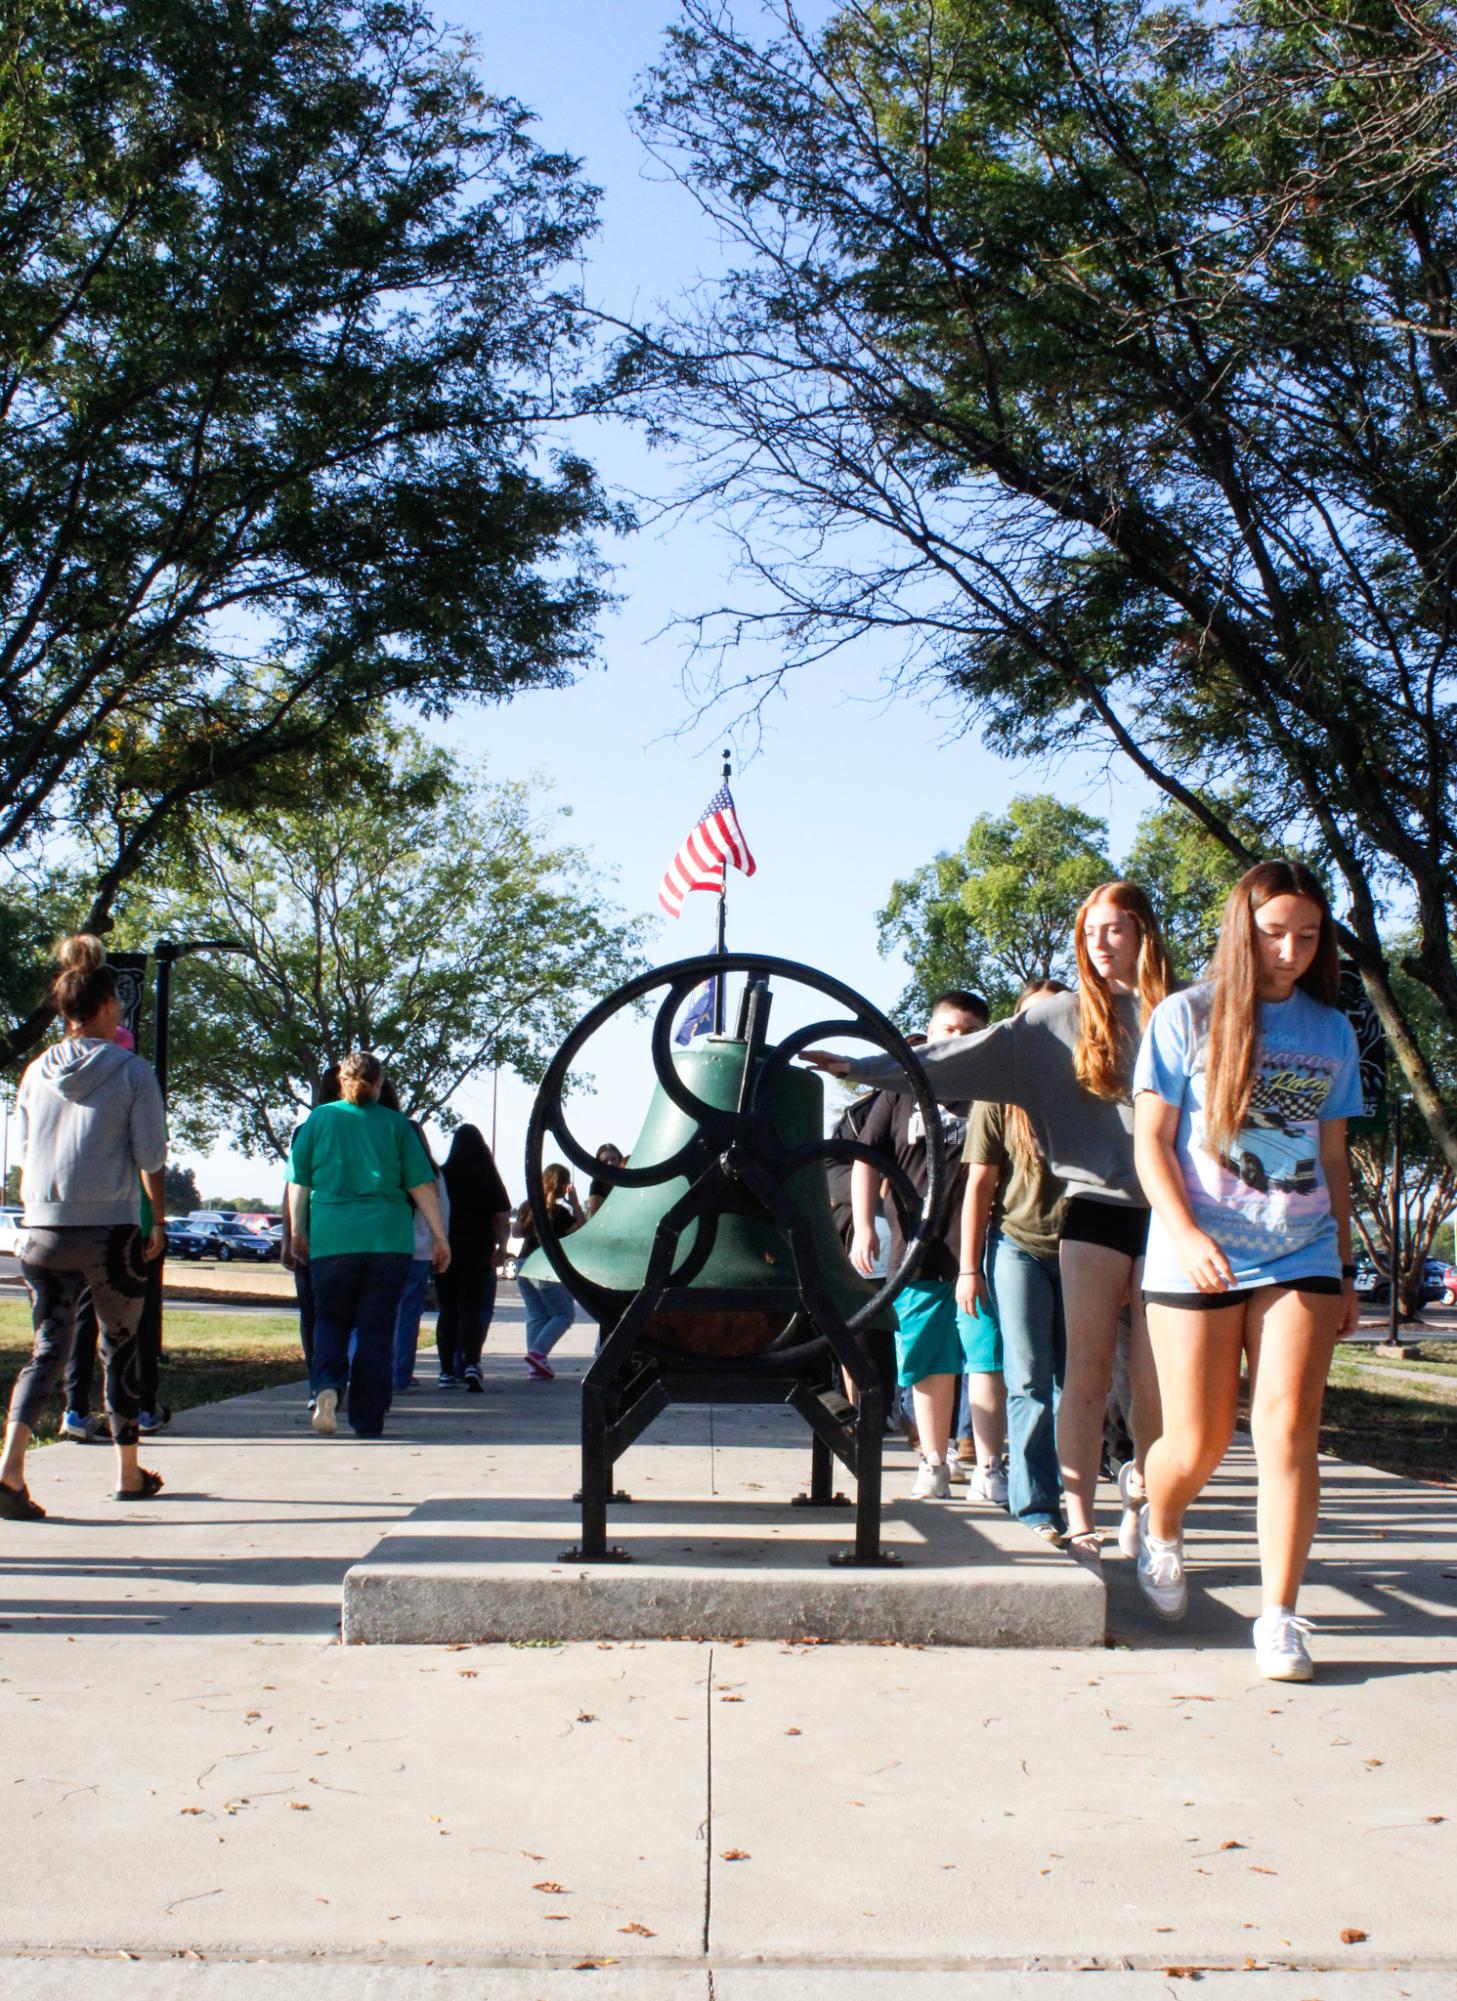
(1373, 1287)
(183, 1241)
(227, 1241)
(10, 1231)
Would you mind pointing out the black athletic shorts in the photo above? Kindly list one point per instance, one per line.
(1119, 1226)
(1210, 1302)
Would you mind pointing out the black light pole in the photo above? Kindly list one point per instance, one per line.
(166, 952)
(1394, 1341)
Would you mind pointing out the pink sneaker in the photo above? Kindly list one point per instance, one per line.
(540, 1367)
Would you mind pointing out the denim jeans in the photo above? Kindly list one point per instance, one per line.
(550, 1311)
(407, 1323)
(1028, 1296)
(357, 1298)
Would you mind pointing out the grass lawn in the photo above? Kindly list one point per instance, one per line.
(206, 1356)
(1399, 1415)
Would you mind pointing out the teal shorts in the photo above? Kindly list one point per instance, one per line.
(981, 1343)
(927, 1338)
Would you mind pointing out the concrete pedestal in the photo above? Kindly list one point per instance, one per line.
(464, 1569)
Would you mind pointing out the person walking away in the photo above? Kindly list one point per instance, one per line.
(1010, 1224)
(550, 1308)
(326, 1093)
(354, 1169)
(1068, 1062)
(412, 1299)
(90, 1122)
(928, 1342)
(1243, 1089)
(480, 1227)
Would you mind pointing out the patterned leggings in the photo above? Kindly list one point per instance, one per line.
(57, 1265)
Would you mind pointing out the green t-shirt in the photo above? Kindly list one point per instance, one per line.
(1029, 1203)
(359, 1160)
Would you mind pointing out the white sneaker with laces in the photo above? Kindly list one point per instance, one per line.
(1280, 1650)
(933, 1481)
(1132, 1494)
(989, 1483)
(1161, 1571)
(325, 1421)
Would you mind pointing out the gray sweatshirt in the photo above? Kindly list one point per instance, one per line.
(1028, 1061)
(91, 1121)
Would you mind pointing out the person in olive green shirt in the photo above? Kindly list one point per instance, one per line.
(355, 1170)
(1011, 1220)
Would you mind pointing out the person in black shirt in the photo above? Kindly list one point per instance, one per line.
(929, 1350)
(480, 1221)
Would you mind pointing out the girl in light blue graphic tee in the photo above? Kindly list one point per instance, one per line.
(1264, 1198)
(1242, 1090)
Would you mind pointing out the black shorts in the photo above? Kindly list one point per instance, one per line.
(1210, 1302)
(1118, 1226)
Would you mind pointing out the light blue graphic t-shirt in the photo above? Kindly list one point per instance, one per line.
(1264, 1200)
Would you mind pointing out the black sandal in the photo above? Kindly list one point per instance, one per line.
(151, 1486)
(17, 1506)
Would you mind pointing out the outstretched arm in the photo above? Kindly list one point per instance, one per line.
(983, 1065)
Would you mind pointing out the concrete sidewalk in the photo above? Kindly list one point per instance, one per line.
(195, 1766)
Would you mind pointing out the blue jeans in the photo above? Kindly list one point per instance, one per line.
(1028, 1296)
(356, 1298)
(407, 1323)
(550, 1311)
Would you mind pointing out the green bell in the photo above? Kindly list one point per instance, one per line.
(750, 1251)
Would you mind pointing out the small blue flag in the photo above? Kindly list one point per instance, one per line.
(699, 1018)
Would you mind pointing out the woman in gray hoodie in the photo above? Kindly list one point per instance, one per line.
(91, 1122)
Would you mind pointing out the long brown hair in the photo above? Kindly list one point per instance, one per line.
(1234, 1002)
(1103, 1057)
(1020, 1138)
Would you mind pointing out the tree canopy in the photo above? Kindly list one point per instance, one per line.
(1103, 352)
(998, 912)
(415, 909)
(285, 315)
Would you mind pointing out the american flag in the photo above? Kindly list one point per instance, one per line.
(699, 863)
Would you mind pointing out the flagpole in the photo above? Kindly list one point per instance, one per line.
(720, 999)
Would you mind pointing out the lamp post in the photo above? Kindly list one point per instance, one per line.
(166, 952)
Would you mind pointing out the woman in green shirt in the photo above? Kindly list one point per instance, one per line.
(354, 1171)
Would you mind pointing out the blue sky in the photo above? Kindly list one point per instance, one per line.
(849, 790)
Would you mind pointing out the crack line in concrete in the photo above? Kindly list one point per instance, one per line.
(708, 1807)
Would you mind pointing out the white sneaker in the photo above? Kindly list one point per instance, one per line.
(933, 1482)
(1161, 1571)
(1280, 1650)
(957, 1471)
(1132, 1494)
(326, 1403)
(989, 1483)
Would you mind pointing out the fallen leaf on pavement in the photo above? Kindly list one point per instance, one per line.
(550, 1889)
(736, 1855)
(792, 1732)
(1231, 1844)
(1352, 1935)
(638, 1931)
